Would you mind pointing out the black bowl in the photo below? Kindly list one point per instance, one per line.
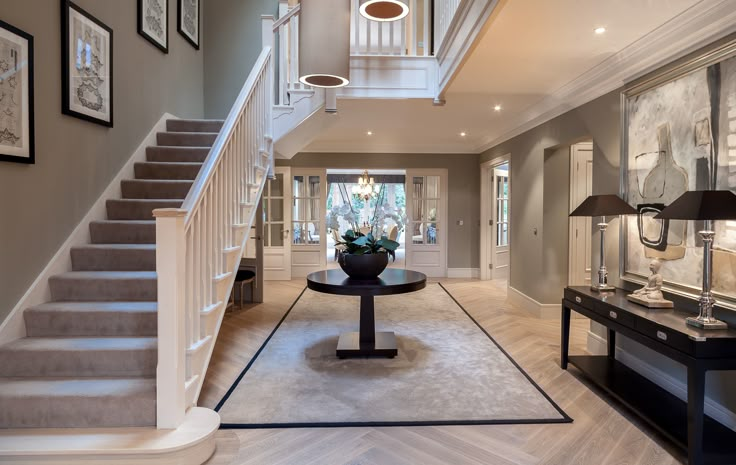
(367, 266)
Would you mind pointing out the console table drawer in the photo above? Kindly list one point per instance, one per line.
(582, 300)
(617, 315)
(673, 339)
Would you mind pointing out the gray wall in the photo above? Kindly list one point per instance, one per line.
(463, 250)
(75, 160)
(597, 120)
(232, 32)
(555, 223)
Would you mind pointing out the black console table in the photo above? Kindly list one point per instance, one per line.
(705, 440)
(367, 342)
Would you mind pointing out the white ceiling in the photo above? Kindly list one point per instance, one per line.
(530, 49)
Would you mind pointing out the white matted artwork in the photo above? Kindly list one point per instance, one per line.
(87, 66)
(679, 134)
(16, 95)
(153, 24)
(188, 21)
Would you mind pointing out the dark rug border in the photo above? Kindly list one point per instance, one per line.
(565, 417)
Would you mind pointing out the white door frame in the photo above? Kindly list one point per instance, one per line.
(439, 268)
(487, 244)
(579, 248)
(277, 260)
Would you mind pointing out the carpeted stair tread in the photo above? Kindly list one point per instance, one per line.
(114, 257)
(123, 231)
(104, 286)
(72, 319)
(186, 139)
(77, 403)
(194, 125)
(137, 209)
(155, 188)
(177, 154)
(167, 170)
(79, 357)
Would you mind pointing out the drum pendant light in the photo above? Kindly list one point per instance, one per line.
(383, 10)
(324, 43)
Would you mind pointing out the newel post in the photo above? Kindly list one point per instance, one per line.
(267, 39)
(170, 268)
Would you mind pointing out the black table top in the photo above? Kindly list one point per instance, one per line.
(391, 281)
(670, 318)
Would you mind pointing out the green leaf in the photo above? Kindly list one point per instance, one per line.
(362, 241)
(388, 244)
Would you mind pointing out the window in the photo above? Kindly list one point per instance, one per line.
(273, 212)
(502, 210)
(306, 211)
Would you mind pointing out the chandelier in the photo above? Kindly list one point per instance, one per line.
(366, 188)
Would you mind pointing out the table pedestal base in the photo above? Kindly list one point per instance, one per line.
(384, 345)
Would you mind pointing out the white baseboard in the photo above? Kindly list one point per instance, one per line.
(472, 273)
(14, 327)
(538, 309)
(674, 386)
(596, 344)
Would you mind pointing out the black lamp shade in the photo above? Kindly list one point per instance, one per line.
(701, 205)
(603, 205)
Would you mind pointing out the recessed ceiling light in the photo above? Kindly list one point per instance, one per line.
(370, 133)
(463, 134)
(497, 108)
(599, 30)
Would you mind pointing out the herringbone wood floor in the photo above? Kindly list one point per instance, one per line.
(603, 433)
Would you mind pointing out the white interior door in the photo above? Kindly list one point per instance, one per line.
(276, 226)
(500, 222)
(581, 186)
(308, 198)
(427, 216)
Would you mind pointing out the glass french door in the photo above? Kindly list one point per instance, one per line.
(501, 197)
(426, 232)
(276, 226)
(308, 244)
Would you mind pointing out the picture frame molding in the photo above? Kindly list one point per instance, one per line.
(31, 159)
(145, 35)
(179, 28)
(665, 74)
(66, 5)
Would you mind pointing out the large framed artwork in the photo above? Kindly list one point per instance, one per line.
(187, 22)
(16, 95)
(86, 62)
(679, 134)
(153, 22)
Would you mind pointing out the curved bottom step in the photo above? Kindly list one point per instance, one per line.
(190, 444)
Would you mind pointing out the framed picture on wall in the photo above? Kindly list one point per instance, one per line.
(187, 22)
(679, 134)
(153, 24)
(86, 66)
(16, 95)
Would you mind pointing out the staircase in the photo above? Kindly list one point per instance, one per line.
(89, 358)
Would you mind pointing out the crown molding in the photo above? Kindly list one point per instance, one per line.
(694, 28)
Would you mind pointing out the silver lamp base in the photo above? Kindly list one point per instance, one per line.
(602, 288)
(704, 324)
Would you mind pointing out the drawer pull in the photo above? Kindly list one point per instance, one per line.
(578, 300)
(662, 335)
(613, 314)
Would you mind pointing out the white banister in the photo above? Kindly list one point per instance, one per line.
(410, 36)
(444, 12)
(198, 246)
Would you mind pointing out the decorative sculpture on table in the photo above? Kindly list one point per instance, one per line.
(651, 295)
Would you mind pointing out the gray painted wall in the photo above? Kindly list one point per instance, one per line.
(75, 160)
(232, 32)
(555, 223)
(463, 249)
(597, 120)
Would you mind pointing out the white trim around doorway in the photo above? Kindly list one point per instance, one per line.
(486, 230)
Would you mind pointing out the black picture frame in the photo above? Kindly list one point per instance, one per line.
(6, 154)
(69, 8)
(194, 41)
(164, 47)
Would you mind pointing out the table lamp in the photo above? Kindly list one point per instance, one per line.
(704, 206)
(603, 205)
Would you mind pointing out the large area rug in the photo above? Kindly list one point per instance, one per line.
(448, 371)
